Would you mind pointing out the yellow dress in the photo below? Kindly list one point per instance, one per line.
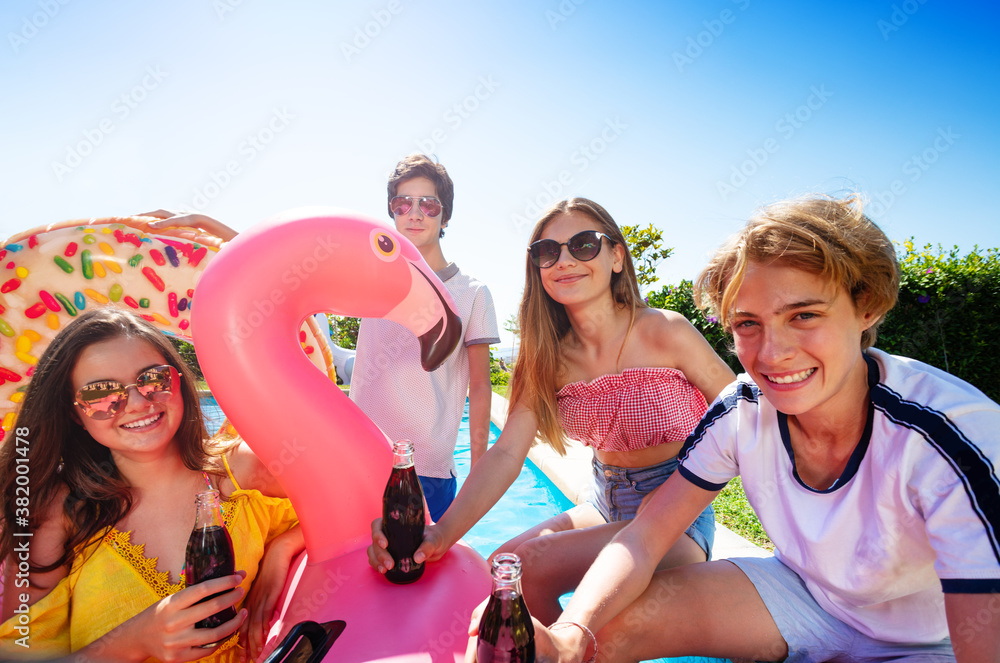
(118, 581)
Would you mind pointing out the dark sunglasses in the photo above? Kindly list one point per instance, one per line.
(583, 246)
(429, 205)
(105, 398)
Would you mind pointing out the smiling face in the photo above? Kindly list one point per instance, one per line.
(799, 337)
(424, 231)
(141, 429)
(571, 281)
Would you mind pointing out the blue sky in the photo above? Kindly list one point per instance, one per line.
(684, 115)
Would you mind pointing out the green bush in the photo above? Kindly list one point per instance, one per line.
(498, 376)
(344, 331)
(679, 298)
(946, 315)
(186, 351)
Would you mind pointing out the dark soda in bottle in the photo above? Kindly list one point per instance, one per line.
(210, 554)
(403, 515)
(506, 634)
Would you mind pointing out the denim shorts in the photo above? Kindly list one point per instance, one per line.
(813, 635)
(617, 492)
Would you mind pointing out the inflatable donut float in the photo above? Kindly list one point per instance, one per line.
(331, 459)
(49, 274)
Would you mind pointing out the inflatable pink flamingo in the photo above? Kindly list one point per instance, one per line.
(330, 458)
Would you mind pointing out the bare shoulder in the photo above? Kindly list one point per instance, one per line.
(251, 473)
(664, 331)
(673, 341)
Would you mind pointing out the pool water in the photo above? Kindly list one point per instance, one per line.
(531, 499)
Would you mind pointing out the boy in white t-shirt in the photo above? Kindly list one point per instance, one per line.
(388, 383)
(875, 476)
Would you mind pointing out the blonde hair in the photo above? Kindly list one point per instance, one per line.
(822, 235)
(544, 323)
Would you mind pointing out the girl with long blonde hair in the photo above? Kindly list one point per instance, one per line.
(598, 365)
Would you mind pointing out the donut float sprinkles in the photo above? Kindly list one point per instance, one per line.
(49, 275)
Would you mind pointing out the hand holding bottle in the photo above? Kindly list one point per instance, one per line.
(403, 516)
(210, 553)
(166, 630)
(432, 548)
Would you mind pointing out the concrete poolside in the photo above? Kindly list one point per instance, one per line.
(571, 474)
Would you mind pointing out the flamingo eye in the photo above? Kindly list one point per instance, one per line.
(385, 246)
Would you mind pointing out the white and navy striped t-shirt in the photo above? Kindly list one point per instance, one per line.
(915, 514)
(407, 402)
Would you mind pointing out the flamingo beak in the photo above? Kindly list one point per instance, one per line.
(440, 340)
(428, 311)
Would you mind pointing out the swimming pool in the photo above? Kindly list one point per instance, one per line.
(531, 499)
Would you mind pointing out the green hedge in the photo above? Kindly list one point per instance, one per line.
(947, 314)
(498, 376)
(679, 298)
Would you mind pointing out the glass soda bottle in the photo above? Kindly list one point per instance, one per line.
(403, 515)
(210, 554)
(506, 633)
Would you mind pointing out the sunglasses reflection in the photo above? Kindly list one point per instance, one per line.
(104, 399)
(429, 205)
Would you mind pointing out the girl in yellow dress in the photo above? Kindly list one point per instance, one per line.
(94, 537)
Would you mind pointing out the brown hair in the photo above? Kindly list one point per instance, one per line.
(544, 322)
(818, 234)
(419, 165)
(61, 451)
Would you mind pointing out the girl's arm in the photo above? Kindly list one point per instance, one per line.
(488, 481)
(251, 472)
(267, 586)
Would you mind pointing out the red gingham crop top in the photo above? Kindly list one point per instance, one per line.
(636, 409)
